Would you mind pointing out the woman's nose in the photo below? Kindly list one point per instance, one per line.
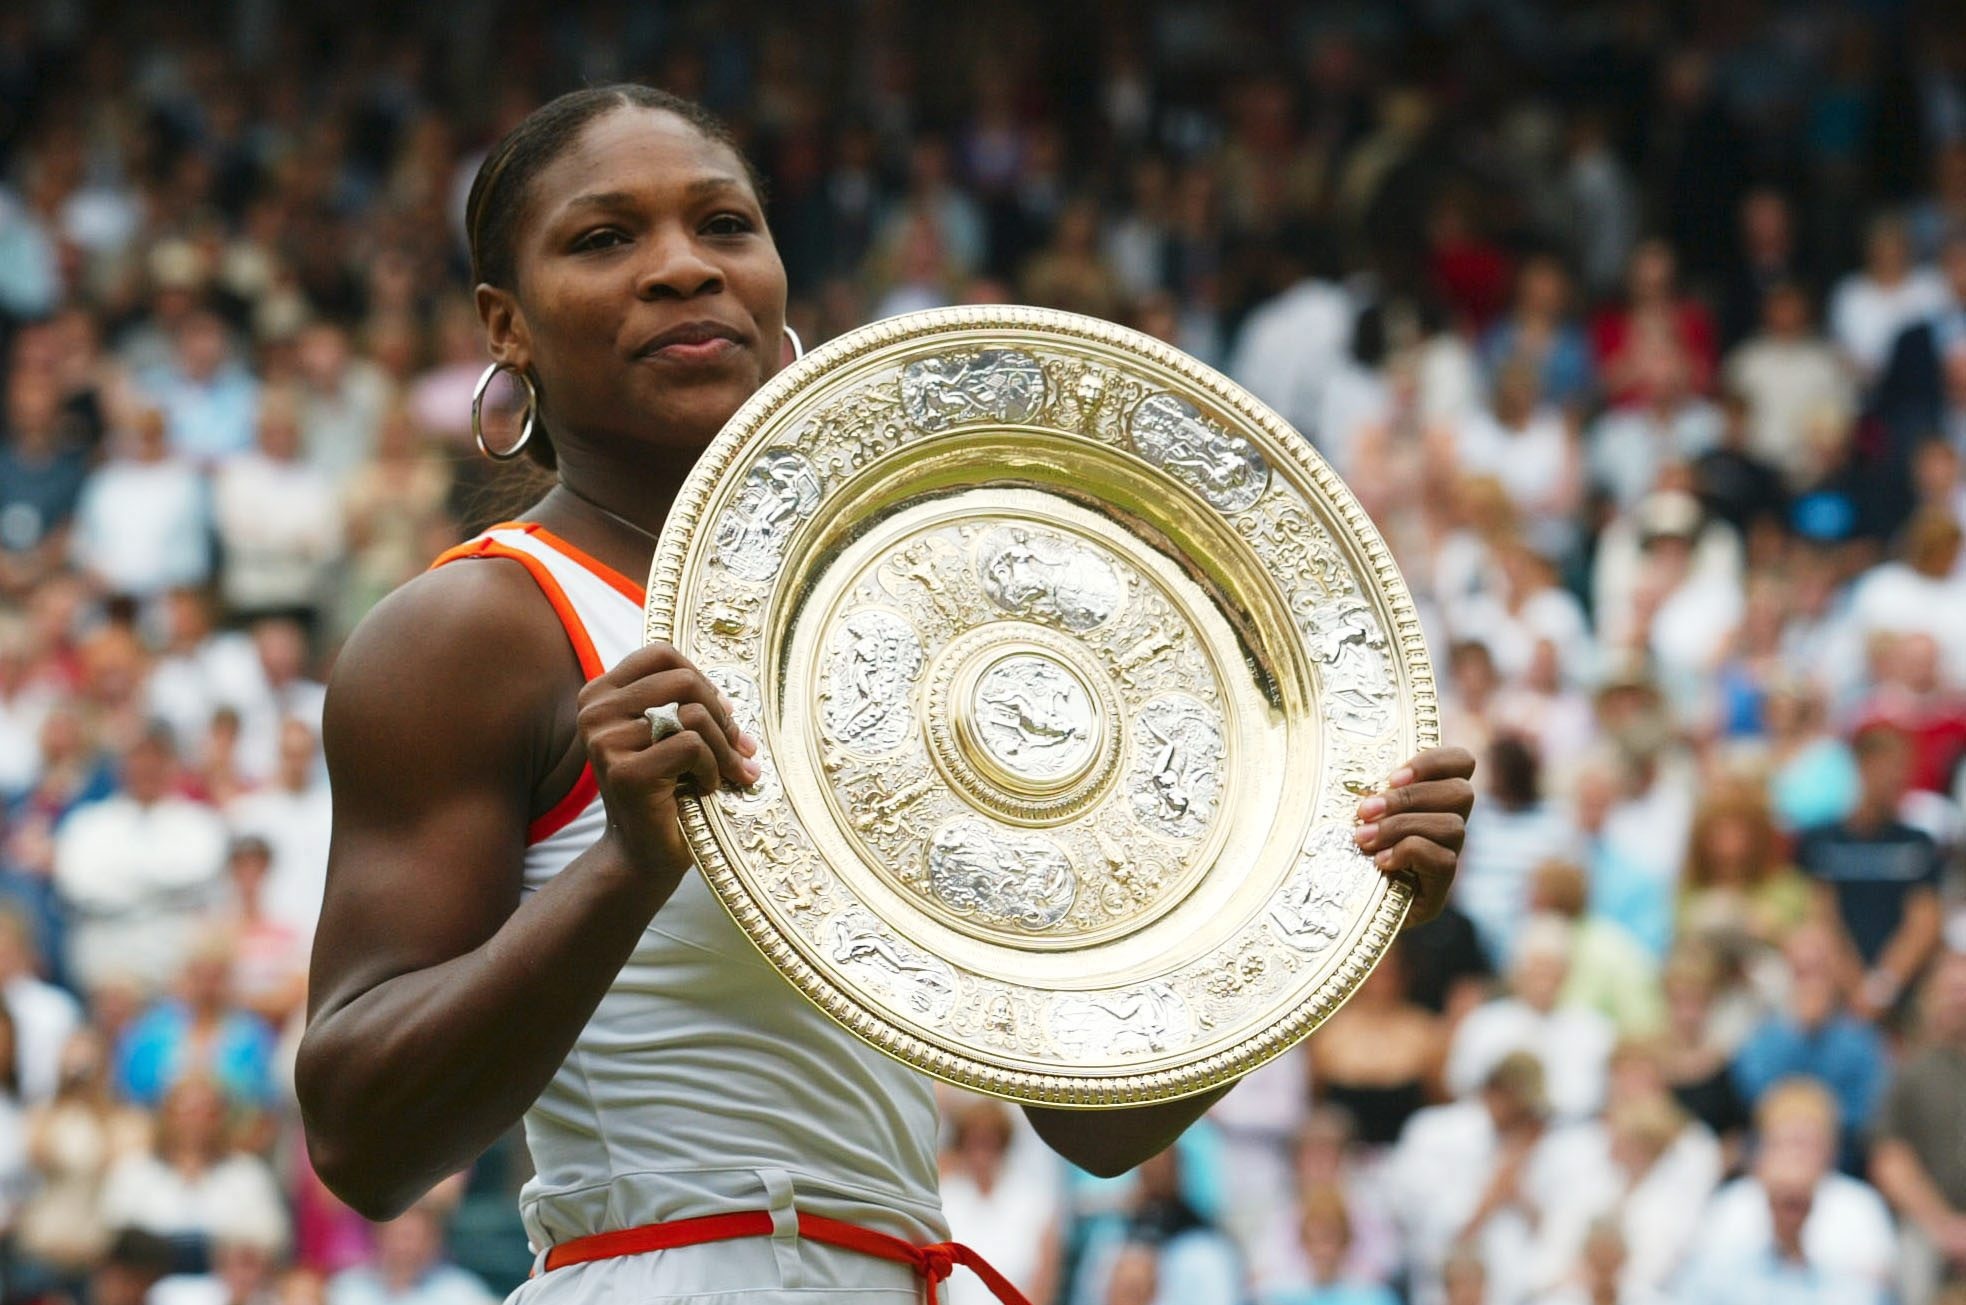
(677, 268)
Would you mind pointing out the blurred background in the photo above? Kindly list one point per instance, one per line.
(1639, 327)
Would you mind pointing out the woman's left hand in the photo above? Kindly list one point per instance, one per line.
(1415, 825)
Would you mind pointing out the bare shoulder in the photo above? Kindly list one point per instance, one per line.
(470, 646)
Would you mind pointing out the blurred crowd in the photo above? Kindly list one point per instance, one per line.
(1638, 327)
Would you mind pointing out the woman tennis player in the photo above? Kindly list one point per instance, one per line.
(513, 927)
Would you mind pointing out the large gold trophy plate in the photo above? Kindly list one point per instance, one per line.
(1069, 662)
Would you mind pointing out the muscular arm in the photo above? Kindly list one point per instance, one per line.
(440, 1005)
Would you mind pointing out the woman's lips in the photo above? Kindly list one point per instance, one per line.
(693, 352)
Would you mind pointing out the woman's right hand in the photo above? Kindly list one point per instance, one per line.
(639, 778)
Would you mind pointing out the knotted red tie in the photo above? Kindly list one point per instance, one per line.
(932, 1263)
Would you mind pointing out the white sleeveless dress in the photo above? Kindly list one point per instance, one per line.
(704, 1083)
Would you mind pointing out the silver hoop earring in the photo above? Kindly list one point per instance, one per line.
(798, 345)
(478, 409)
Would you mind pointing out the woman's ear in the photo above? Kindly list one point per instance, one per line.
(506, 335)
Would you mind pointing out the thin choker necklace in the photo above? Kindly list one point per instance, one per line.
(612, 515)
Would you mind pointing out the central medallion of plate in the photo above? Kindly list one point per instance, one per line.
(1036, 721)
(997, 743)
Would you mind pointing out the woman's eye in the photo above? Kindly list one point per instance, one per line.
(728, 224)
(599, 238)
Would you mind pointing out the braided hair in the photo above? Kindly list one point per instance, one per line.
(501, 192)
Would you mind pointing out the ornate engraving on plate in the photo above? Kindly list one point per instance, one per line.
(1177, 767)
(869, 951)
(954, 389)
(1317, 904)
(1003, 877)
(1034, 717)
(748, 712)
(781, 490)
(875, 657)
(1046, 577)
(1346, 641)
(1143, 1021)
(1225, 469)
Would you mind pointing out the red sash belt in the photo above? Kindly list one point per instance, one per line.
(932, 1264)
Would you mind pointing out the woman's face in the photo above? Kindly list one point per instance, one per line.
(650, 301)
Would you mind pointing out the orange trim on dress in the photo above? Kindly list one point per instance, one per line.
(600, 570)
(585, 788)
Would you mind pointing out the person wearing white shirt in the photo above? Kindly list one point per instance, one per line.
(1798, 389)
(278, 520)
(140, 871)
(284, 692)
(293, 816)
(44, 1016)
(1528, 446)
(1572, 1043)
(1627, 448)
(1845, 1231)
(1479, 1176)
(201, 668)
(141, 523)
(1291, 345)
(189, 1186)
(24, 705)
(1919, 594)
(1870, 307)
(1009, 1217)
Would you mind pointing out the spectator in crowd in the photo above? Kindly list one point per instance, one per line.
(1007, 1218)
(1609, 970)
(1478, 1174)
(1816, 1036)
(1194, 1260)
(44, 1015)
(393, 506)
(1916, 1160)
(1513, 830)
(200, 668)
(72, 1142)
(200, 1033)
(1919, 594)
(1794, 1223)
(1329, 1158)
(278, 521)
(43, 471)
(270, 954)
(1660, 342)
(1326, 1236)
(1540, 336)
(1571, 1043)
(1795, 388)
(341, 402)
(410, 1267)
(1379, 1058)
(142, 523)
(1738, 881)
(244, 1271)
(291, 816)
(206, 398)
(139, 871)
(1878, 874)
(191, 1185)
(1871, 306)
